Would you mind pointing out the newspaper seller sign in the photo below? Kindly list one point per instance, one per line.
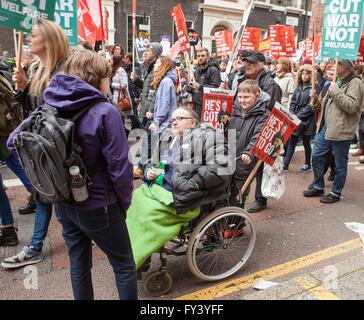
(217, 106)
(275, 133)
(21, 14)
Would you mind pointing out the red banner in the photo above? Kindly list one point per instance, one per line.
(309, 47)
(264, 47)
(278, 41)
(181, 28)
(217, 106)
(360, 59)
(290, 42)
(251, 39)
(90, 24)
(224, 42)
(275, 133)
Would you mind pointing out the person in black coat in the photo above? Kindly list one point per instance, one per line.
(248, 120)
(301, 107)
(207, 75)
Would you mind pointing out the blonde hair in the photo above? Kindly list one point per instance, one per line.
(88, 66)
(58, 49)
(249, 85)
(166, 65)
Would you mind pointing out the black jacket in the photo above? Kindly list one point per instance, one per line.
(207, 76)
(268, 85)
(248, 127)
(134, 90)
(202, 157)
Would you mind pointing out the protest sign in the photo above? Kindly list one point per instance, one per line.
(217, 106)
(166, 44)
(224, 42)
(290, 42)
(22, 14)
(65, 16)
(275, 133)
(181, 28)
(140, 46)
(264, 47)
(342, 29)
(250, 39)
(360, 58)
(277, 41)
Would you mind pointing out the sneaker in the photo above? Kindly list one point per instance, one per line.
(305, 168)
(314, 192)
(330, 198)
(285, 168)
(3, 164)
(8, 237)
(27, 256)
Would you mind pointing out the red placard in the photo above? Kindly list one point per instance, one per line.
(250, 39)
(264, 47)
(181, 28)
(290, 42)
(275, 133)
(217, 106)
(309, 47)
(224, 42)
(277, 41)
(360, 59)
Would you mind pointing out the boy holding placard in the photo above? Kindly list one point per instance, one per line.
(247, 119)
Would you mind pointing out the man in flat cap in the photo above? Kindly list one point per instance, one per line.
(340, 113)
(253, 65)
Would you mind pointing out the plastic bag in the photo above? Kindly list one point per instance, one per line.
(273, 184)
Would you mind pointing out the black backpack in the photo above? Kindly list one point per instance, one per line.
(47, 147)
(11, 112)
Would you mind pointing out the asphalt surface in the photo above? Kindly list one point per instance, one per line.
(289, 229)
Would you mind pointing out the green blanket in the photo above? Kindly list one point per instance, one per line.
(152, 221)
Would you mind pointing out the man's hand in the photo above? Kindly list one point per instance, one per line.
(133, 76)
(149, 115)
(246, 159)
(152, 127)
(333, 86)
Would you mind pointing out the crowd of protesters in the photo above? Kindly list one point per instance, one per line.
(167, 103)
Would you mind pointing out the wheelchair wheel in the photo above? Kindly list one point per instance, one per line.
(157, 284)
(221, 244)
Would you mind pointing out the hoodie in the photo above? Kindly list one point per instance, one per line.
(165, 100)
(100, 133)
(248, 126)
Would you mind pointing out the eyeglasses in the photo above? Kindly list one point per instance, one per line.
(178, 119)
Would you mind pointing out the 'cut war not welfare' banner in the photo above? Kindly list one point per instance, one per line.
(22, 14)
(342, 29)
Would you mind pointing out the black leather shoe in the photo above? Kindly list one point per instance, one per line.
(257, 206)
(8, 237)
(28, 208)
(330, 198)
(314, 192)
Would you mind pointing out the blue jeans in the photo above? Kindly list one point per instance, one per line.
(292, 142)
(43, 215)
(6, 216)
(14, 164)
(110, 233)
(340, 150)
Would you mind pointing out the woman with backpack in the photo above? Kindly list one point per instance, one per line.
(301, 106)
(100, 214)
(48, 41)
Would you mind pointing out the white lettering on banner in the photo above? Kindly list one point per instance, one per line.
(42, 3)
(29, 11)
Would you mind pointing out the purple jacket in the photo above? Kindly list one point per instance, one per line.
(100, 132)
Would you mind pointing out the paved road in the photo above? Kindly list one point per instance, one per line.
(302, 245)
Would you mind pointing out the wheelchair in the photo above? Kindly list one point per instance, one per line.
(217, 244)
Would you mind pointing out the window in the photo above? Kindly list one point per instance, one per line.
(142, 28)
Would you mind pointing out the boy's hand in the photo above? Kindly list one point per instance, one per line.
(245, 158)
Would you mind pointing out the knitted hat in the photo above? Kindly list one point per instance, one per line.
(156, 48)
(347, 64)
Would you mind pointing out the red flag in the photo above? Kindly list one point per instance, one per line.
(278, 41)
(360, 59)
(180, 23)
(250, 39)
(224, 42)
(90, 25)
(173, 52)
(290, 42)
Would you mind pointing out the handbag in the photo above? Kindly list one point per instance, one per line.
(123, 102)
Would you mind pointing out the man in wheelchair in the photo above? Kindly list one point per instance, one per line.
(188, 171)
